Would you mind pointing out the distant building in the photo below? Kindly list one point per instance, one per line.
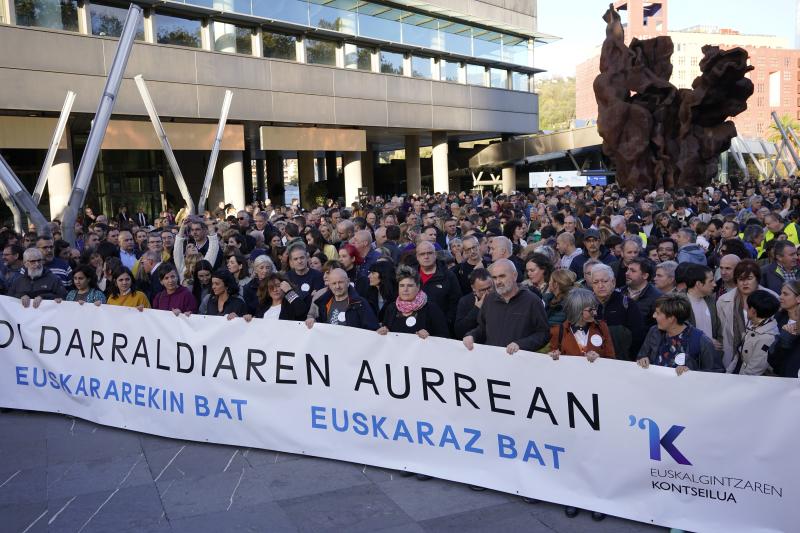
(776, 76)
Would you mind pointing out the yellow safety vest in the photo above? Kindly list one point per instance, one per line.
(791, 234)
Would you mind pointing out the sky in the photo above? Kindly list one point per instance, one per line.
(580, 25)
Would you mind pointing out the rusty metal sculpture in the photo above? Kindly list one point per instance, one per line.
(656, 134)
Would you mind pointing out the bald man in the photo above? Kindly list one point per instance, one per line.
(509, 317)
(341, 305)
(726, 282)
(362, 240)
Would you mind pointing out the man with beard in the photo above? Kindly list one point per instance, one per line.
(509, 317)
(36, 283)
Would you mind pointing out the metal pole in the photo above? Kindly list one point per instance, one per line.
(767, 155)
(83, 177)
(212, 161)
(12, 206)
(778, 152)
(786, 139)
(54, 142)
(23, 200)
(165, 144)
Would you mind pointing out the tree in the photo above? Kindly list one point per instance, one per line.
(788, 122)
(556, 103)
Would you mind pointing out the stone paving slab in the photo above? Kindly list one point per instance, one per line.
(60, 474)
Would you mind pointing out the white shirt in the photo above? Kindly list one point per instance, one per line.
(566, 261)
(702, 316)
(273, 313)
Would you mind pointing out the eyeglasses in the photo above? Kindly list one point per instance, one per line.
(425, 253)
(33, 261)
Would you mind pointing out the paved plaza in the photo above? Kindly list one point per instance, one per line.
(63, 474)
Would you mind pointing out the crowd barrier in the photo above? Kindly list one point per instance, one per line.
(701, 452)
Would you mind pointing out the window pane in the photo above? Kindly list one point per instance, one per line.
(231, 38)
(288, 10)
(457, 38)
(420, 30)
(55, 14)
(202, 3)
(357, 57)
(519, 81)
(177, 31)
(475, 74)
(336, 15)
(486, 45)
(320, 52)
(515, 50)
(391, 63)
(280, 46)
(497, 77)
(379, 22)
(449, 70)
(421, 67)
(108, 21)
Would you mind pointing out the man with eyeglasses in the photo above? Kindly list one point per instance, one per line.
(36, 283)
(471, 250)
(243, 225)
(439, 283)
(199, 233)
(58, 267)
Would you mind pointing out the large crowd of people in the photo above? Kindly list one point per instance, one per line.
(701, 279)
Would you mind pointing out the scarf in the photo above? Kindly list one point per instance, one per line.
(414, 305)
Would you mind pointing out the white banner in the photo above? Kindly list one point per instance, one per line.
(541, 180)
(702, 452)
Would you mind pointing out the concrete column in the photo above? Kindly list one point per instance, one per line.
(232, 164)
(413, 174)
(149, 26)
(352, 176)
(206, 35)
(300, 49)
(59, 182)
(257, 39)
(441, 180)
(407, 65)
(509, 179)
(7, 10)
(275, 187)
(84, 22)
(305, 171)
(375, 60)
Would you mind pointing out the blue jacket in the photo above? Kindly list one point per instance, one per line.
(692, 253)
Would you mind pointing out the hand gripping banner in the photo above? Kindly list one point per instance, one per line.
(701, 452)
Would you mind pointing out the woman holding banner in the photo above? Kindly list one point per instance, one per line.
(278, 299)
(784, 355)
(581, 333)
(411, 312)
(224, 299)
(84, 279)
(122, 292)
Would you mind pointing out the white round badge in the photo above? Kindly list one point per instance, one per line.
(304, 287)
(411, 321)
(597, 340)
(342, 317)
(680, 359)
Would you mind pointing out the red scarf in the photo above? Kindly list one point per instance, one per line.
(414, 305)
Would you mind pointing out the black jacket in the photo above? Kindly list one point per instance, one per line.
(466, 316)
(294, 307)
(521, 320)
(784, 355)
(370, 294)
(234, 304)
(443, 290)
(606, 257)
(462, 272)
(646, 304)
(428, 317)
(47, 286)
(358, 315)
(624, 321)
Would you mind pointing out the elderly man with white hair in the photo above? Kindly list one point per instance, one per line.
(37, 283)
(620, 313)
(509, 317)
(502, 248)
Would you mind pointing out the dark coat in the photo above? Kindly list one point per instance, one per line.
(646, 303)
(521, 320)
(358, 315)
(370, 294)
(784, 355)
(294, 307)
(771, 279)
(443, 290)
(703, 356)
(624, 321)
(47, 286)
(606, 257)
(234, 304)
(428, 317)
(466, 316)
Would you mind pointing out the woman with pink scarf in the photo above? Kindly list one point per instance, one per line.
(411, 312)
